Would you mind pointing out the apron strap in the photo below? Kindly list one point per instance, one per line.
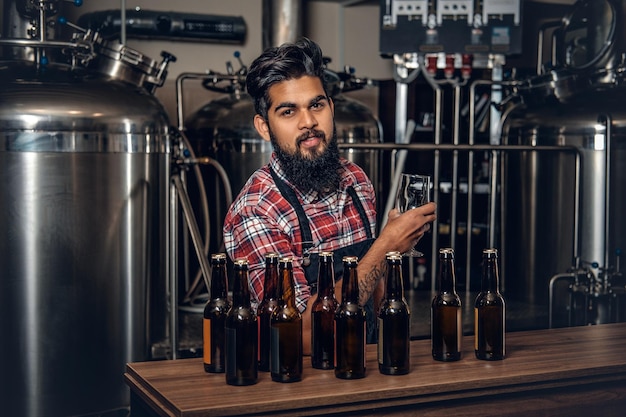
(305, 226)
(361, 210)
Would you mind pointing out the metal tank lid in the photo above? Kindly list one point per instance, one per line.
(60, 110)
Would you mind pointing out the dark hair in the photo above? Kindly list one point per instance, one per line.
(285, 62)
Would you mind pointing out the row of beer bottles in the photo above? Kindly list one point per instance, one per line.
(338, 329)
(489, 312)
(394, 318)
(231, 332)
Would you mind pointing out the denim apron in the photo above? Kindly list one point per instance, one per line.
(310, 259)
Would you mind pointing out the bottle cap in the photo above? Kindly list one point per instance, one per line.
(393, 256)
(218, 257)
(241, 263)
(326, 254)
(446, 253)
(490, 253)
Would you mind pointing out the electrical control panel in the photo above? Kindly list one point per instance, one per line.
(450, 26)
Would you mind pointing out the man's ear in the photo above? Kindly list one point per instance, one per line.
(261, 126)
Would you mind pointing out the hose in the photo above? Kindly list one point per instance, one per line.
(192, 292)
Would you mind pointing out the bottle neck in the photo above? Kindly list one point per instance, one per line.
(219, 282)
(350, 285)
(394, 285)
(325, 280)
(287, 287)
(241, 291)
(447, 276)
(270, 285)
(490, 276)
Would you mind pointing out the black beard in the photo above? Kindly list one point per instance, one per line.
(321, 173)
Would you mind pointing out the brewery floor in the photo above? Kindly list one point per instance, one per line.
(519, 316)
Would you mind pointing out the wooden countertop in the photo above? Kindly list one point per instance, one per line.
(573, 370)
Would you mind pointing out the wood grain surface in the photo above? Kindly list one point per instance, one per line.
(553, 368)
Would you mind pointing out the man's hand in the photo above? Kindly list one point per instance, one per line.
(404, 230)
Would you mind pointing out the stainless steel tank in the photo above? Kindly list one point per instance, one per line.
(223, 129)
(84, 162)
(560, 216)
(541, 189)
(355, 123)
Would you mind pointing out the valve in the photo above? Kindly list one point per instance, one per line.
(63, 21)
(233, 82)
(243, 70)
(152, 82)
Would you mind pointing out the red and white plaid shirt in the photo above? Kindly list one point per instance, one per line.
(261, 220)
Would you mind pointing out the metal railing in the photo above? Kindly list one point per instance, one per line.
(495, 230)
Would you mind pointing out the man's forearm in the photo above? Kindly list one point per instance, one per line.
(370, 274)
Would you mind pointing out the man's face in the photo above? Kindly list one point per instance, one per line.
(300, 117)
(300, 126)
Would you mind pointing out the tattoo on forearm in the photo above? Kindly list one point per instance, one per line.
(368, 284)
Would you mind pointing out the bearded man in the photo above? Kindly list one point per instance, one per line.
(308, 199)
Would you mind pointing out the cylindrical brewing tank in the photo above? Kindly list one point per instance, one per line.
(581, 108)
(85, 160)
(223, 129)
(540, 190)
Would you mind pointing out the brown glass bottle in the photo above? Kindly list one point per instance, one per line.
(286, 330)
(215, 315)
(394, 322)
(266, 307)
(446, 325)
(241, 331)
(323, 315)
(350, 325)
(489, 312)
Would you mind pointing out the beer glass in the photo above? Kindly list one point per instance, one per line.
(413, 191)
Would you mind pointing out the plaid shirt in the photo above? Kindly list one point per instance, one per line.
(261, 220)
